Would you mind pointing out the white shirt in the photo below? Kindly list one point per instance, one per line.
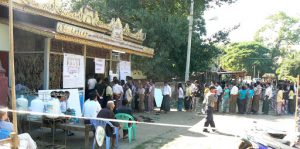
(92, 83)
(117, 89)
(180, 93)
(128, 95)
(234, 90)
(269, 92)
(219, 90)
(91, 108)
(167, 90)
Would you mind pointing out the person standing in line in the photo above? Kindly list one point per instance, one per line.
(267, 99)
(167, 93)
(206, 91)
(91, 107)
(151, 96)
(291, 101)
(188, 97)
(209, 101)
(286, 97)
(280, 100)
(117, 93)
(219, 94)
(256, 98)
(196, 94)
(233, 98)
(180, 97)
(226, 96)
(141, 93)
(108, 92)
(147, 89)
(91, 83)
(128, 95)
(250, 99)
(242, 100)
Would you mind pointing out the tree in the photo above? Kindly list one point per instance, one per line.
(243, 56)
(166, 25)
(289, 68)
(281, 33)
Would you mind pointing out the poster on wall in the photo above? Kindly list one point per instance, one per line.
(99, 65)
(4, 38)
(73, 71)
(73, 102)
(125, 69)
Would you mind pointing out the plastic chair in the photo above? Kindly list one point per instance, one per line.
(99, 123)
(131, 127)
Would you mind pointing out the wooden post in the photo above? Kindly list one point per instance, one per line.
(46, 62)
(84, 55)
(12, 65)
(15, 140)
(297, 106)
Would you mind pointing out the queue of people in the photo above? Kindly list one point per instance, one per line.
(247, 98)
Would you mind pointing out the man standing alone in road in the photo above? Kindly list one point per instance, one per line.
(210, 100)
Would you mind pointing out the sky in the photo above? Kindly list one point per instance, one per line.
(250, 14)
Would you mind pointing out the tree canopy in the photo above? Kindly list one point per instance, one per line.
(243, 56)
(166, 25)
(280, 34)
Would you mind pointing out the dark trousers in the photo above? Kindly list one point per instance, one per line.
(209, 118)
(291, 105)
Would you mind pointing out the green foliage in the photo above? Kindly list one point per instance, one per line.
(290, 66)
(243, 56)
(166, 25)
(282, 32)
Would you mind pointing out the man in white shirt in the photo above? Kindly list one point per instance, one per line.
(233, 98)
(117, 93)
(167, 93)
(219, 94)
(267, 99)
(91, 107)
(92, 83)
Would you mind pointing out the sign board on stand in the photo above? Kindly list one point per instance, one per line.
(99, 65)
(73, 71)
(73, 101)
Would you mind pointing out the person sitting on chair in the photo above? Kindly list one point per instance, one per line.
(125, 109)
(108, 113)
(6, 128)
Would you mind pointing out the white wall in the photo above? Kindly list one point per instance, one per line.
(4, 37)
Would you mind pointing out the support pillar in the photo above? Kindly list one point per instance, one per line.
(46, 62)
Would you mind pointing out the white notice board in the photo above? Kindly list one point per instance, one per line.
(73, 71)
(125, 69)
(99, 65)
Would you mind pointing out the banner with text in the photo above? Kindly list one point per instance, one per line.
(73, 71)
(99, 65)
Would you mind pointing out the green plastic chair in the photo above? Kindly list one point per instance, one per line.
(131, 127)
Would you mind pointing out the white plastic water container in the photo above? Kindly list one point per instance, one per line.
(22, 103)
(53, 107)
(37, 105)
